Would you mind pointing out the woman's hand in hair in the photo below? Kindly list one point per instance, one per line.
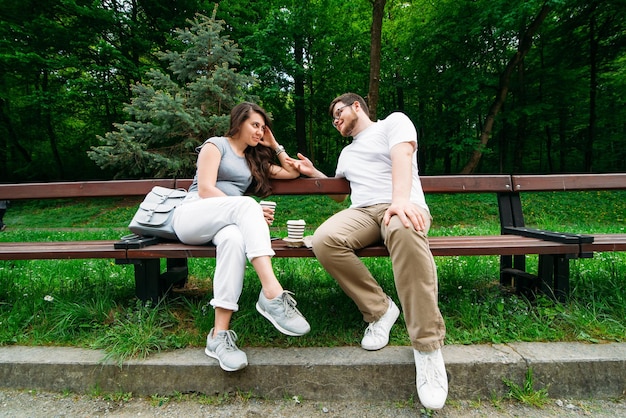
(268, 139)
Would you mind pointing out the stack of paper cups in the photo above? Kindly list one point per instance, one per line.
(295, 229)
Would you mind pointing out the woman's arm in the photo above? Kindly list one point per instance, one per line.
(284, 170)
(208, 163)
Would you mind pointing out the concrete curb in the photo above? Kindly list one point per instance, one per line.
(567, 370)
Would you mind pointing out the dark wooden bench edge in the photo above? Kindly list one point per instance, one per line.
(300, 186)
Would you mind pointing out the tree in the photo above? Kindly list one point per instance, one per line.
(43, 56)
(69, 68)
(378, 8)
(173, 112)
(525, 42)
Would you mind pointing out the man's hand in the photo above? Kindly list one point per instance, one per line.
(305, 166)
(408, 213)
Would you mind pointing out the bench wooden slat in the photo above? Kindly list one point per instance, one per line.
(556, 182)
(310, 186)
(301, 186)
(466, 184)
(606, 242)
(497, 245)
(440, 246)
(430, 184)
(81, 189)
(60, 250)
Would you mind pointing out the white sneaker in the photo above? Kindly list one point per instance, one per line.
(431, 378)
(283, 314)
(223, 348)
(377, 333)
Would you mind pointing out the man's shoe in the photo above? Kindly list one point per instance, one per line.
(283, 314)
(222, 347)
(377, 333)
(431, 379)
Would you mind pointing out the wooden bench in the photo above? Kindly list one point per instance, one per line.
(512, 222)
(554, 249)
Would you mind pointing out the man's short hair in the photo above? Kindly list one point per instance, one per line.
(348, 98)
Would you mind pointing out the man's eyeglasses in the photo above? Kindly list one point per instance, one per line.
(338, 113)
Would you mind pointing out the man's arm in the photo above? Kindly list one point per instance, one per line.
(306, 167)
(402, 181)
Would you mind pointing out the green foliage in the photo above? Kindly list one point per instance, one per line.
(174, 113)
(526, 393)
(138, 332)
(66, 68)
(71, 71)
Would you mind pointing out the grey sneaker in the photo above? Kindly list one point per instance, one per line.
(377, 333)
(431, 378)
(222, 347)
(283, 314)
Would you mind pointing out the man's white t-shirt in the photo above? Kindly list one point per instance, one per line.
(366, 162)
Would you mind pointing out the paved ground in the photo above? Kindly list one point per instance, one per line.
(326, 382)
(14, 403)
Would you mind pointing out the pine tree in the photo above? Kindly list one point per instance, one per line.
(174, 112)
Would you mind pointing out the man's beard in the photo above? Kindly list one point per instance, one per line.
(348, 127)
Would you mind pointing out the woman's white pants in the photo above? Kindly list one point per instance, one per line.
(237, 228)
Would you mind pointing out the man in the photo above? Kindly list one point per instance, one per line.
(387, 203)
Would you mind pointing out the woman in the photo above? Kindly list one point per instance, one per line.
(216, 210)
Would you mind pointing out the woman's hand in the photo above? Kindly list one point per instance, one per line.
(268, 213)
(268, 139)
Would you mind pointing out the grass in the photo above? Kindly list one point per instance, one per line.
(526, 393)
(91, 303)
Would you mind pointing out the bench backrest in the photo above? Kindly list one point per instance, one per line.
(301, 186)
(572, 182)
(59, 190)
(499, 183)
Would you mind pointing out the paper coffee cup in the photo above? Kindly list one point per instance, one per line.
(268, 204)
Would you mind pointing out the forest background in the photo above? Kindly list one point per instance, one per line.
(97, 89)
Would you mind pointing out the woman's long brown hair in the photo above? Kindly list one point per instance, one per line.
(259, 158)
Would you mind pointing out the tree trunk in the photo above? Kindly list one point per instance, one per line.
(593, 92)
(520, 139)
(52, 137)
(503, 88)
(299, 94)
(11, 140)
(378, 7)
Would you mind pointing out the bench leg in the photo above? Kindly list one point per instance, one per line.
(150, 284)
(176, 274)
(554, 275)
(509, 264)
(147, 286)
